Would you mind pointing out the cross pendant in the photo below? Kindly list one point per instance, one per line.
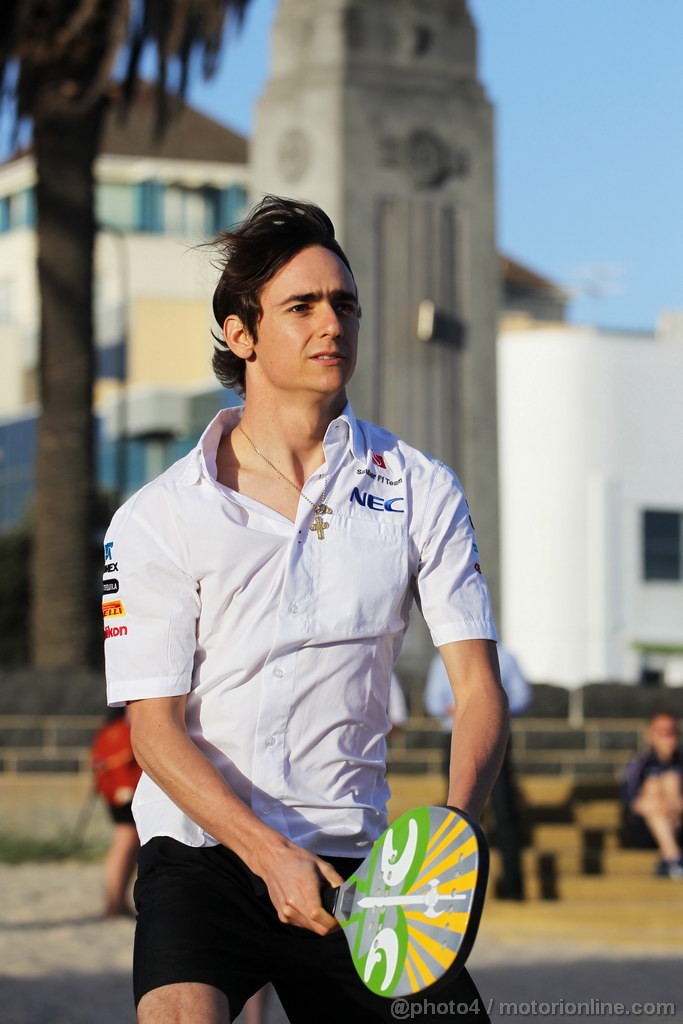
(319, 526)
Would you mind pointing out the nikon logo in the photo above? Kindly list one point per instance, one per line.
(112, 631)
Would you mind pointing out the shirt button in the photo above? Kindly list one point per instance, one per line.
(294, 608)
(270, 740)
(279, 672)
(265, 811)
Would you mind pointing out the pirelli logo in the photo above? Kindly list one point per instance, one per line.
(112, 608)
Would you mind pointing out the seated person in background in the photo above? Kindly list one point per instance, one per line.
(654, 794)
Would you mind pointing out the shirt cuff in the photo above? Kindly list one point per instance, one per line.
(121, 692)
(466, 629)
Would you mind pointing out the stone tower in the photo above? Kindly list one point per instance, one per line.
(374, 111)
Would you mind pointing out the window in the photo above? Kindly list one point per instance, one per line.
(22, 209)
(18, 210)
(186, 211)
(117, 205)
(4, 214)
(662, 545)
(231, 207)
(150, 195)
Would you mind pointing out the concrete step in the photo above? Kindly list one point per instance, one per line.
(537, 791)
(610, 889)
(610, 862)
(628, 924)
(599, 814)
(572, 836)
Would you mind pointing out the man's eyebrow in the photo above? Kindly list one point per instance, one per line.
(339, 294)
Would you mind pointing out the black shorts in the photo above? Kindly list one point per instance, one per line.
(203, 916)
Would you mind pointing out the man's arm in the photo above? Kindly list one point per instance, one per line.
(165, 751)
(480, 723)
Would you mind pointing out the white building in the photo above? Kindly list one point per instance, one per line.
(156, 200)
(591, 463)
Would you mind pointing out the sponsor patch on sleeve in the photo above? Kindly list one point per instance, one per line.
(113, 608)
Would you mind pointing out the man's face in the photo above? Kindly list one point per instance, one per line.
(662, 735)
(308, 331)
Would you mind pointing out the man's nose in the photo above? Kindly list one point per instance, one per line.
(330, 321)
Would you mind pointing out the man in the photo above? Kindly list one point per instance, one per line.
(439, 702)
(654, 794)
(265, 581)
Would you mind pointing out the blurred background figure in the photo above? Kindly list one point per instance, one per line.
(116, 775)
(654, 795)
(438, 701)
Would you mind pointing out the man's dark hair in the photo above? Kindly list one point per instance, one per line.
(249, 256)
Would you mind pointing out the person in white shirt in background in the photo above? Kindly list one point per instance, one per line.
(439, 702)
(256, 598)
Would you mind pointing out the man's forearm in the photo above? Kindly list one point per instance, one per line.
(480, 735)
(168, 755)
(166, 752)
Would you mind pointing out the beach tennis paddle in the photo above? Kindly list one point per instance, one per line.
(411, 910)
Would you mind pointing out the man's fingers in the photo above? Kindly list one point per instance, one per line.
(331, 876)
(319, 921)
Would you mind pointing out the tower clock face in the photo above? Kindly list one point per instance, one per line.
(426, 158)
(293, 154)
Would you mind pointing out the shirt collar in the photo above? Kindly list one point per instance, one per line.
(354, 435)
(202, 459)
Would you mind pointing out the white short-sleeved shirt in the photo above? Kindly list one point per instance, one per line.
(285, 643)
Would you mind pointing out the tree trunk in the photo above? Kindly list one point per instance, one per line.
(65, 594)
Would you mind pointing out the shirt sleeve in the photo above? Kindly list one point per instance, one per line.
(150, 609)
(451, 588)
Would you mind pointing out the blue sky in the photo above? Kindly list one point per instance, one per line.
(589, 128)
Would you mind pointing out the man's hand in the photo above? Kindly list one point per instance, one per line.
(294, 878)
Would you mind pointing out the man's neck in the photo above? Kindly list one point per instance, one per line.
(291, 432)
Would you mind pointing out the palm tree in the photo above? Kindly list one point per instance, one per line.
(57, 66)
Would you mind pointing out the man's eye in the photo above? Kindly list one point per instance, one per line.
(300, 307)
(347, 309)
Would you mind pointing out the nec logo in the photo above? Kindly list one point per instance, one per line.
(376, 503)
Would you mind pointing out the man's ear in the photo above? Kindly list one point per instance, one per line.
(237, 337)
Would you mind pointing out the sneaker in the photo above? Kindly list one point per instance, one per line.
(676, 869)
(670, 869)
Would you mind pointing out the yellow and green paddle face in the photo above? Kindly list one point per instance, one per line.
(411, 911)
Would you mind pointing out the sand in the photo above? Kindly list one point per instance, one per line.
(60, 963)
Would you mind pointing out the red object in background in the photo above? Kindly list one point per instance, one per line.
(113, 763)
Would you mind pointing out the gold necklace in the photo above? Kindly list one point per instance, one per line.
(318, 526)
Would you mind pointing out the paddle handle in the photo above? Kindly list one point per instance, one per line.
(328, 898)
